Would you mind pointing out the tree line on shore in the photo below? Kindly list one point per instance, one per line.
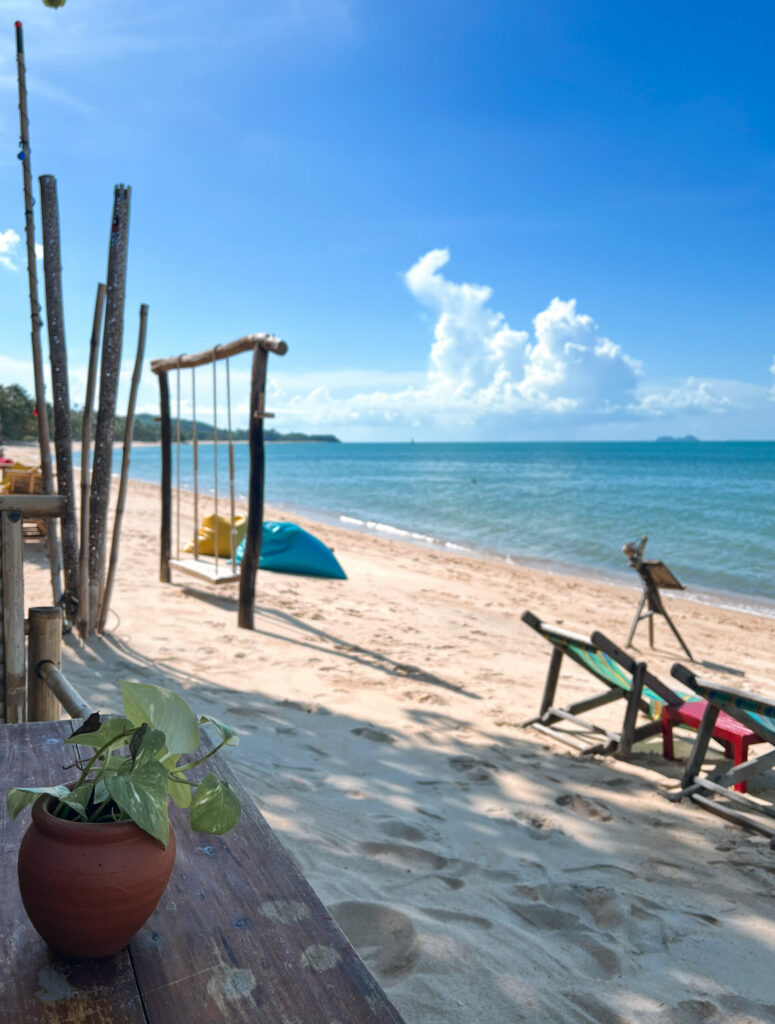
(18, 423)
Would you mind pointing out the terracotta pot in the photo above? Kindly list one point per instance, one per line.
(88, 889)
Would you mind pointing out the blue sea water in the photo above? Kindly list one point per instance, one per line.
(708, 508)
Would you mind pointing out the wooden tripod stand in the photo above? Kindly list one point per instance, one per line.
(654, 576)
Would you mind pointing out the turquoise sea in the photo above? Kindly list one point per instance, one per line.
(708, 508)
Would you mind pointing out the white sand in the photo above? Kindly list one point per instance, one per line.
(485, 873)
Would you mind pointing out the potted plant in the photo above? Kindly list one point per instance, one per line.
(98, 854)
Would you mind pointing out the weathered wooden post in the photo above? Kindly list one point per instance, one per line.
(52, 534)
(252, 553)
(121, 501)
(109, 373)
(45, 644)
(63, 442)
(88, 409)
(12, 613)
(166, 477)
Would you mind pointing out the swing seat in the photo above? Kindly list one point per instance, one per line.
(206, 570)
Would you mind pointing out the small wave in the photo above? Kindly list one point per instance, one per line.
(396, 531)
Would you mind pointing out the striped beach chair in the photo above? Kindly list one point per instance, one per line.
(714, 791)
(623, 679)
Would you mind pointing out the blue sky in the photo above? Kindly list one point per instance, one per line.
(470, 220)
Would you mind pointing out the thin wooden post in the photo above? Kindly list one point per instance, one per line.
(63, 442)
(44, 644)
(166, 478)
(109, 373)
(52, 533)
(247, 583)
(13, 614)
(122, 487)
(88, 410)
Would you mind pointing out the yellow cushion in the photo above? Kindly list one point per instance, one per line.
(207, 532)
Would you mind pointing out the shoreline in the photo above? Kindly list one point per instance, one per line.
(751, 604)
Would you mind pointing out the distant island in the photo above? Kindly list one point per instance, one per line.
(148, 428)
(680, 440)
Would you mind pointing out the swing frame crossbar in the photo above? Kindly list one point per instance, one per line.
(213, 571)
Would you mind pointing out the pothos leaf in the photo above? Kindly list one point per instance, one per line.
(109, 730)
(228, 735)
(164, 710)
(19, 797)
(142, 796)
(215, 807)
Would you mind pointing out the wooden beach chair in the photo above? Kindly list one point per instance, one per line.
(623, 679)
(714, 791)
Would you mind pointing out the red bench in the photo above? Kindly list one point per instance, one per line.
(733, 736)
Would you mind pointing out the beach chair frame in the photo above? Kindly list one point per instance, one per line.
(624, 679)
(747, 708)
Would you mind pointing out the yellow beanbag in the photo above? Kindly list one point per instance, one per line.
(207, 533)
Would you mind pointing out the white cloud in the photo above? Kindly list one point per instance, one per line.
(480, 368)
(772, 371)
(9, 242)
(38, 251)
(691, 396)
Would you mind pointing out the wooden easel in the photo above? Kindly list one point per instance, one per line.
(654, 576)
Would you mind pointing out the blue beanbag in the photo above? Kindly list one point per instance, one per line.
(285, 547)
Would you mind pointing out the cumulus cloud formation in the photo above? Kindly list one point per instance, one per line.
(480, 367)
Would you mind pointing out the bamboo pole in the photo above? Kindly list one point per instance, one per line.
(44, 644)
(13, 613)
(109, 373)
(252, 553)
(88, 410)
(122, 487)
(63, 442)
(65, 692)
(268, 342)
(52, 533)
(166, 478)
(33, 506)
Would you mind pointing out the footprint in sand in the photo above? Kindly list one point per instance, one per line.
(384, 937)
(367, 732)
(400, 830)
(407, 857)
(456, 917)
(581, 805)
(300, 705)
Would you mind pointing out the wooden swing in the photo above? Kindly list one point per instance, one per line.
(217, 570)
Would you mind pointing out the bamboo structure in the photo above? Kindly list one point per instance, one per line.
(261, 345)
(45, 644)
(109, 373)
(122, 487)
(63, 444)
(88, 409)
(65, 693)
(52, 535)
(12, 615)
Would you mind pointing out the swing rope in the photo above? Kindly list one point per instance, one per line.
(196, 464)
(233, 531)
(215, 455)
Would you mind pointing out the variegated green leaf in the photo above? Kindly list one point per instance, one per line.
(228, 735)
(142, 796)
(164, 710)
(215, 807)
(19, 797)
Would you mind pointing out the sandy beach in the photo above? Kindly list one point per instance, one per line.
(484, 872)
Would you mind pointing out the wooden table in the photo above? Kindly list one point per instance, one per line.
(239, 935)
